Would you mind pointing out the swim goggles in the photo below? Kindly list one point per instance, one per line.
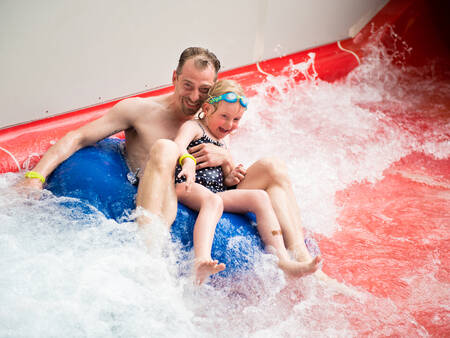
(231, 98)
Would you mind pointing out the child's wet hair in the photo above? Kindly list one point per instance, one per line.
(222, 87)
(225, 86)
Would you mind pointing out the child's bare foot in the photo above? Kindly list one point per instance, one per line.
(298, 269)
(204, 267)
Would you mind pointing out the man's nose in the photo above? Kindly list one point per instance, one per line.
(194, 96)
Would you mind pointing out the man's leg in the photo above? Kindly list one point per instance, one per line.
(156, 191)
(258, 202)
(271, 175)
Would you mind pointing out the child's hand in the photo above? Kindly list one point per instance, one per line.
(188, 171)
(235, 176)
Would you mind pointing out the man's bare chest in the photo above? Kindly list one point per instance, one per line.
(145, 134)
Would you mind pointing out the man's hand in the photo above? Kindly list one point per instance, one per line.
(209, 155)
(29, 183)
(31, 188)
(235, 176)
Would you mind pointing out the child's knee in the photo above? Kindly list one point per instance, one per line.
(213, 202)
(260, 199)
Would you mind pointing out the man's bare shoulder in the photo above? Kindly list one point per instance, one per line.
(139, 104)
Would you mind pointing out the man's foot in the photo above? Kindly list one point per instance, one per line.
(299, 269)
(203, 268)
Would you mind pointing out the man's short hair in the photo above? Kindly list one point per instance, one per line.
(203, 58)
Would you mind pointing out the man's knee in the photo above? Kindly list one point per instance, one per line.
(275, 169)
(164, 154)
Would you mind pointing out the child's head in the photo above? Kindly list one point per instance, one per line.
(224, 108)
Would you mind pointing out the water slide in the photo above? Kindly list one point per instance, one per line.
(367, 124)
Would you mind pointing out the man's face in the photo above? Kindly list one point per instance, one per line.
(192, 86)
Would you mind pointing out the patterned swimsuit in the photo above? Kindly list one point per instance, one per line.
(211, 177)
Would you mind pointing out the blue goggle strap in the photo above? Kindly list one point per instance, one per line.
(231, 98)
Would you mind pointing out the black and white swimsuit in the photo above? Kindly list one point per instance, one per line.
(211, 177)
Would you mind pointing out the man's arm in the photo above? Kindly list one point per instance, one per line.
(119, 118)
(210, 155)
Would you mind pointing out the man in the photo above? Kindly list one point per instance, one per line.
(150, 125)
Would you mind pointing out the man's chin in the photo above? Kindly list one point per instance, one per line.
(190, 111)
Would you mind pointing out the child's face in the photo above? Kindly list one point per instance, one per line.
(225, 119)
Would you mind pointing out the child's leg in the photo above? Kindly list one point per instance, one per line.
(210, 208)
(258, 202)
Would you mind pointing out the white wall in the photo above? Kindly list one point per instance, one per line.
(61, 55)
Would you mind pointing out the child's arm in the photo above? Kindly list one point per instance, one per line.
(189, 131)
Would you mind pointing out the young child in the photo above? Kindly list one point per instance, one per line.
(206, 190)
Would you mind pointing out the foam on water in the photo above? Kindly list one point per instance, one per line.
(65, 273)
(331, 135)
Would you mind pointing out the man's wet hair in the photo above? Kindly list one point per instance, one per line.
(203, 58)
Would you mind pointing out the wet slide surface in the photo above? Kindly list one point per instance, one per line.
(395, 239)
(368, 156)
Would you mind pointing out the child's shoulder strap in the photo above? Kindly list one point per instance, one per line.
(203, 129)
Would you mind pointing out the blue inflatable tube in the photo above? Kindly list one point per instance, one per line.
(97, 175)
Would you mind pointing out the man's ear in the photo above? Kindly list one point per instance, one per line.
(174, 77)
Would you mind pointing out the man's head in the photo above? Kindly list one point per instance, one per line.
(202, 59)
(196, 73)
